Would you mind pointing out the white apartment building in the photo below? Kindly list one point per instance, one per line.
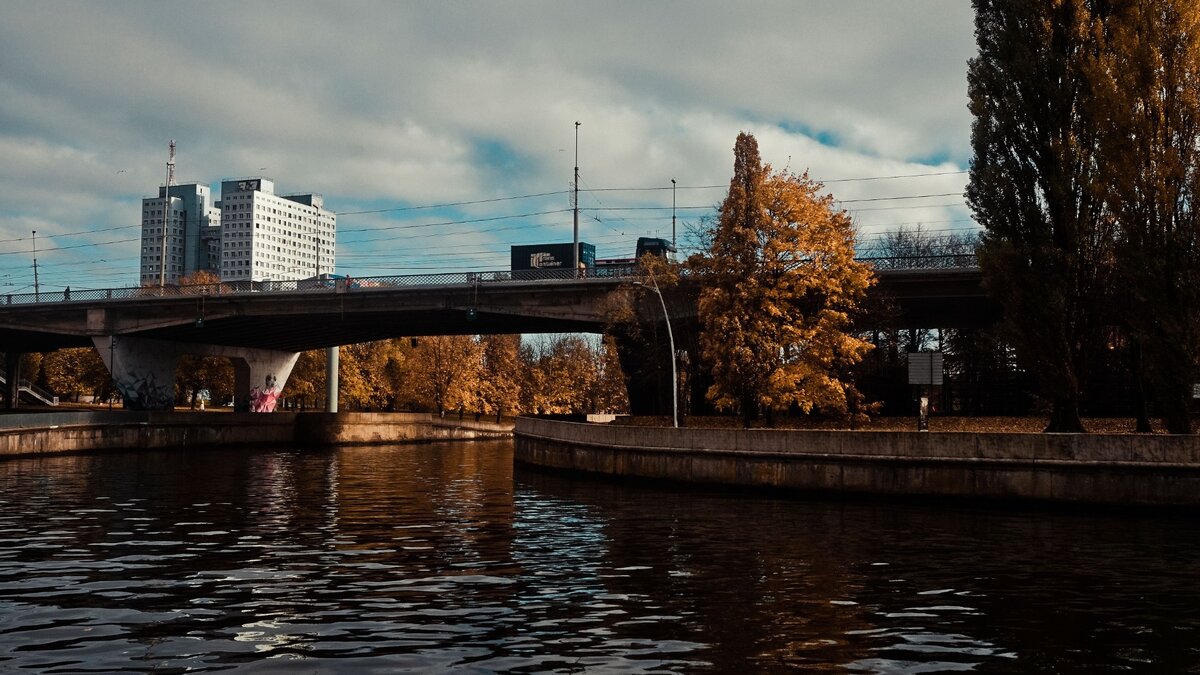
(276, 237)
(191, 223)
(252, 234)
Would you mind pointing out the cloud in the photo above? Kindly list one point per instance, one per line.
(384, 105)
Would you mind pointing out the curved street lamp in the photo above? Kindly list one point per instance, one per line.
(671, 339)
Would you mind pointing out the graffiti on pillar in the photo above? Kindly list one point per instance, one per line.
(142, 391)
(262, 399)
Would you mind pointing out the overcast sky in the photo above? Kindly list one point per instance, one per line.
(386, 106)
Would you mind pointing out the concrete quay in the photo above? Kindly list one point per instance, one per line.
(65, 432)
(1079, 468)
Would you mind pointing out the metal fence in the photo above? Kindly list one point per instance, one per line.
(956, 261)
(334, 285)
(445, 280)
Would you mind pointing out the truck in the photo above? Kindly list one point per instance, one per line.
(551, 256)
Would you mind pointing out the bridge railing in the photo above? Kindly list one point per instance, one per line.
(449, 279)
(334, 285)
(926, 262)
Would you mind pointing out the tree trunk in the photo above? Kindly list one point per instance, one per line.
(1064, 419)
(1143, 408)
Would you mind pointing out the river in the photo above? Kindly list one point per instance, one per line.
(443, 558)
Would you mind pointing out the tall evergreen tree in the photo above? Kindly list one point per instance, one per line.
(779, 287)
(1047, 250)
(1148, 106)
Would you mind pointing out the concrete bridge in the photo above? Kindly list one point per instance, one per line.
(262, 326)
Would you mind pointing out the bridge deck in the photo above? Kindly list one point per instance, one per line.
(308, 314)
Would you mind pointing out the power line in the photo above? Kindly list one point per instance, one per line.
(453, 222)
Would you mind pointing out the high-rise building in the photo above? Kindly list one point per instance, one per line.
(268, 236)
(183, 223)
(252, 234)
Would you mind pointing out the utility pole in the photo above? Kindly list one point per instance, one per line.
(575, 200)
(162, 272)
(672, 213)
(36, 289)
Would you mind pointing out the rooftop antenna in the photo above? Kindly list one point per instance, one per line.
(162, 261)
(575, 201)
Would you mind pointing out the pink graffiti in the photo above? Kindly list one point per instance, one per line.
(263, 399)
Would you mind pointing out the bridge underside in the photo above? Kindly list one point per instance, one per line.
(271, 327)
(298, 321)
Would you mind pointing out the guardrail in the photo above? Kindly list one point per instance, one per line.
(448, 279)
(927, 262)
(31, 389)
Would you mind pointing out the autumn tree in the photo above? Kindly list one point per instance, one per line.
(72, 372)
(194, 373)
(500, 380)
(1047, 248)
(608, 392)
(780, 284)
(447, 369)
(1147, 82)
(367, 374)
(306, 385)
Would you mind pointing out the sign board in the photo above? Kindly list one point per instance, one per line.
(925, 368)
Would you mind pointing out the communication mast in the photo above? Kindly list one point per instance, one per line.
(162, 271)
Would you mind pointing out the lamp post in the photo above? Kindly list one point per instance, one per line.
(36, 290)
(672, 213)
(671, 339)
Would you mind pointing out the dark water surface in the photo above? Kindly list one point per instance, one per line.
(439, 558)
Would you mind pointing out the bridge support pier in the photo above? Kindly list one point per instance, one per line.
(331, 379)
(646, 359)
(12, 385)
(259, 376)
(143, 371)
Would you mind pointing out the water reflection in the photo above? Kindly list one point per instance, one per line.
(438, 558)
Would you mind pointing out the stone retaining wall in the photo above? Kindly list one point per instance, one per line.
(50, 433)
(1122, 469)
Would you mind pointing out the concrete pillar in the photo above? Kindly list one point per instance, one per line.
(646, 361)
(12, 388)
(331, 379)
(259, 376)
(143, 370)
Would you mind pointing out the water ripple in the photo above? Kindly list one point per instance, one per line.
(433, 558)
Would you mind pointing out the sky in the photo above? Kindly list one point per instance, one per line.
(444, 132)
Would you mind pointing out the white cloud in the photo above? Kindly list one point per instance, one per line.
(380, 104)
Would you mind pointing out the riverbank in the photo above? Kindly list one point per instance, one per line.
(45, 433)
(1082, 468)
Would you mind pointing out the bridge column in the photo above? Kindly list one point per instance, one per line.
(12, 386)
(259, 376)
(331, 379)
(646, 360)
(143, 370)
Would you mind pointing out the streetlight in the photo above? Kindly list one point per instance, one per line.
(36, 291)
(672, 213)
(671, 339)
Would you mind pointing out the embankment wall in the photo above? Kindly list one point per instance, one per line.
(50, 433)
(1085, 468)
